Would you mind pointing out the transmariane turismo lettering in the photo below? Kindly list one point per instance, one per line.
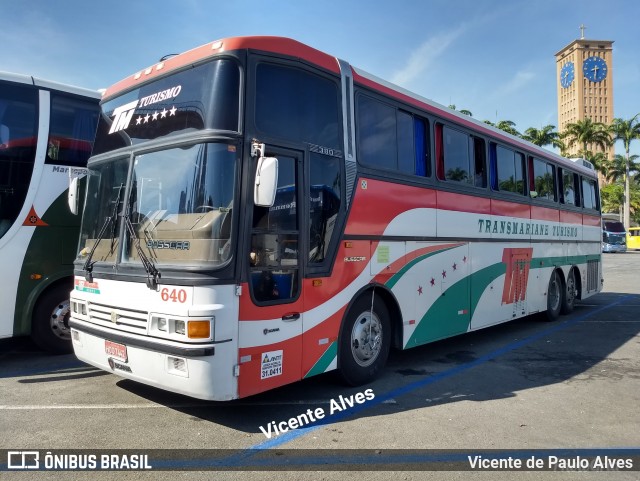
(341, 404)
(508, 227)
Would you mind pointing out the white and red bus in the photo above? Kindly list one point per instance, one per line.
(259, 212)
(46, 133)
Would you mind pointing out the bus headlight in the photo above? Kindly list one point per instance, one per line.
(179, 327)
(162, 324)
(79, 308)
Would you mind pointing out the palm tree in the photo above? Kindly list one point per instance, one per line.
(547, 135)
(587, 132)
(599, 160)
(506, 125)
(626, 130)
(617, 168)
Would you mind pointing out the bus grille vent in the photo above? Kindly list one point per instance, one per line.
(593, 269)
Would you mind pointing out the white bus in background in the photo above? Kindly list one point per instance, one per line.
(46, 135)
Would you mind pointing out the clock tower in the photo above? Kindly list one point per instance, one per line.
(585, 85)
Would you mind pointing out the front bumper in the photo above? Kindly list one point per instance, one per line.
(205, 370)
(614, 248)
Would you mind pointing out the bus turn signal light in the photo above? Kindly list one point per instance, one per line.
(199, 329)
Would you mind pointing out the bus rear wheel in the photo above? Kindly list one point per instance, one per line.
(555, 297)
(570, 293)
(50, 323)
(365, 341)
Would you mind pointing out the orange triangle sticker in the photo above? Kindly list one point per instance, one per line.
(34, 219)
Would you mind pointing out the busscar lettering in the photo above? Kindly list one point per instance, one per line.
(173, 245)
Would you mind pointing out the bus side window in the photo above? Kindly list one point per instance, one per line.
(18, 135)
(73, 128)
(480, 162)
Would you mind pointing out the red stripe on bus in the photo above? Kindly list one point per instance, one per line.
(250, 381)
(394, 267)
(463, 203)
(591, 220)
(510, 209)
(377, 203)
(570, 217)
(544, 213)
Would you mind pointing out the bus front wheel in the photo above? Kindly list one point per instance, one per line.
(365, 340)
(50, 323)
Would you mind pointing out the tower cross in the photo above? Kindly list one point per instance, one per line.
(582, 27)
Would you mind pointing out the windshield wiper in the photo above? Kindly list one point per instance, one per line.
(111, 219)
(153, 274)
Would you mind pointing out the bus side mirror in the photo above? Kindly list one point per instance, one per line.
(72, 195)
(264, 193)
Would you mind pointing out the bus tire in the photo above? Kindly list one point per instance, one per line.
(554, 297)
(365, 341)
(570, 293)
(50, 323)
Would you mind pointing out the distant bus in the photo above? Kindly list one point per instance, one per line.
(259, 212)
(46, 130)
(633, 238)
(614, 236)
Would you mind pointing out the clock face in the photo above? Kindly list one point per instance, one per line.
(595, 69)
(567, 73)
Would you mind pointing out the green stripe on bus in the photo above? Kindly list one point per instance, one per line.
(441, 319)
(542, 262)
(325, 360)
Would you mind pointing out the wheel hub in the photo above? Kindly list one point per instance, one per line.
(59, 320)
(366, 339)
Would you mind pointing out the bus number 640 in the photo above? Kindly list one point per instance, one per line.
(173, 295)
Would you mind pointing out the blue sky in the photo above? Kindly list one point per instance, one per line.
(492, 57)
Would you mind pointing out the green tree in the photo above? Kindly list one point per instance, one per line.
(616, 169)
(547, 135)
(587, 133)
(506, 125)
(627, 131)
(457, 174)
(599, 159)
(462, 111)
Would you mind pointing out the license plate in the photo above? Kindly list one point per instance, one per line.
(115, 350)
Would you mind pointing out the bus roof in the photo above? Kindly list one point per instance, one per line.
(279, 45)
(48, 84)
(295, 49)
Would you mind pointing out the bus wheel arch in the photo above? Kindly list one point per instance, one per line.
(366, 335)
(50, 318)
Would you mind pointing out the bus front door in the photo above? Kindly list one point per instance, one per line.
(271, 321)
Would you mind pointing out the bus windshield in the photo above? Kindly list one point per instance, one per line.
(207, 96)
(179, 205)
